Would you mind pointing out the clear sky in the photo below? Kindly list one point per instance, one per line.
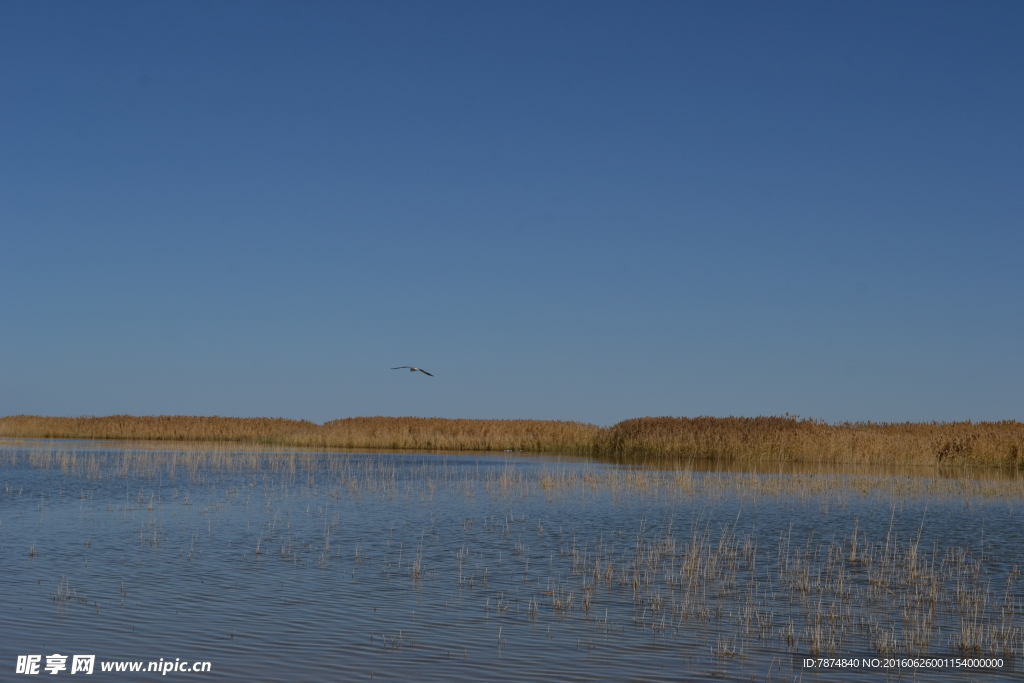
(568, 210)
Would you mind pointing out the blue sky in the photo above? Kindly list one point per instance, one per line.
(586, 211)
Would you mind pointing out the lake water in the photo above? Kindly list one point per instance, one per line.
(276, 566)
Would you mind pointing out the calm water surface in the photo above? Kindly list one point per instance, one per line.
(393, 567)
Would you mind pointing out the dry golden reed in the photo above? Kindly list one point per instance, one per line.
(792, 439)
(761, 439)
(355, 432)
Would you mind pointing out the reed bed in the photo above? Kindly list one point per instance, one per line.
(735, 439)
(793, 439)
(357, 432)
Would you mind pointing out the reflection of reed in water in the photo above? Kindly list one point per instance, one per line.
(426, 475)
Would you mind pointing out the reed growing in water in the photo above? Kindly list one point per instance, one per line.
(764, 439)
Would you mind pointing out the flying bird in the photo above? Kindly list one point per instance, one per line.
(412, 369)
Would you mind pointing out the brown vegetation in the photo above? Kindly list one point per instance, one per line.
(765, 439)
(792, 439)
(156, 427)
(355, 432)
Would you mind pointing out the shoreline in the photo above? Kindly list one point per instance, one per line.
(732, 439)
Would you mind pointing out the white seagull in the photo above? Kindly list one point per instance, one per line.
(412, 369)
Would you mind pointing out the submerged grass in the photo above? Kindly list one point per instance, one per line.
(758, 439)
(737, 594)
(349, 473)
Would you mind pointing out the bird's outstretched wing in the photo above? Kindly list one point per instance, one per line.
(402, 367)
(424, 372)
